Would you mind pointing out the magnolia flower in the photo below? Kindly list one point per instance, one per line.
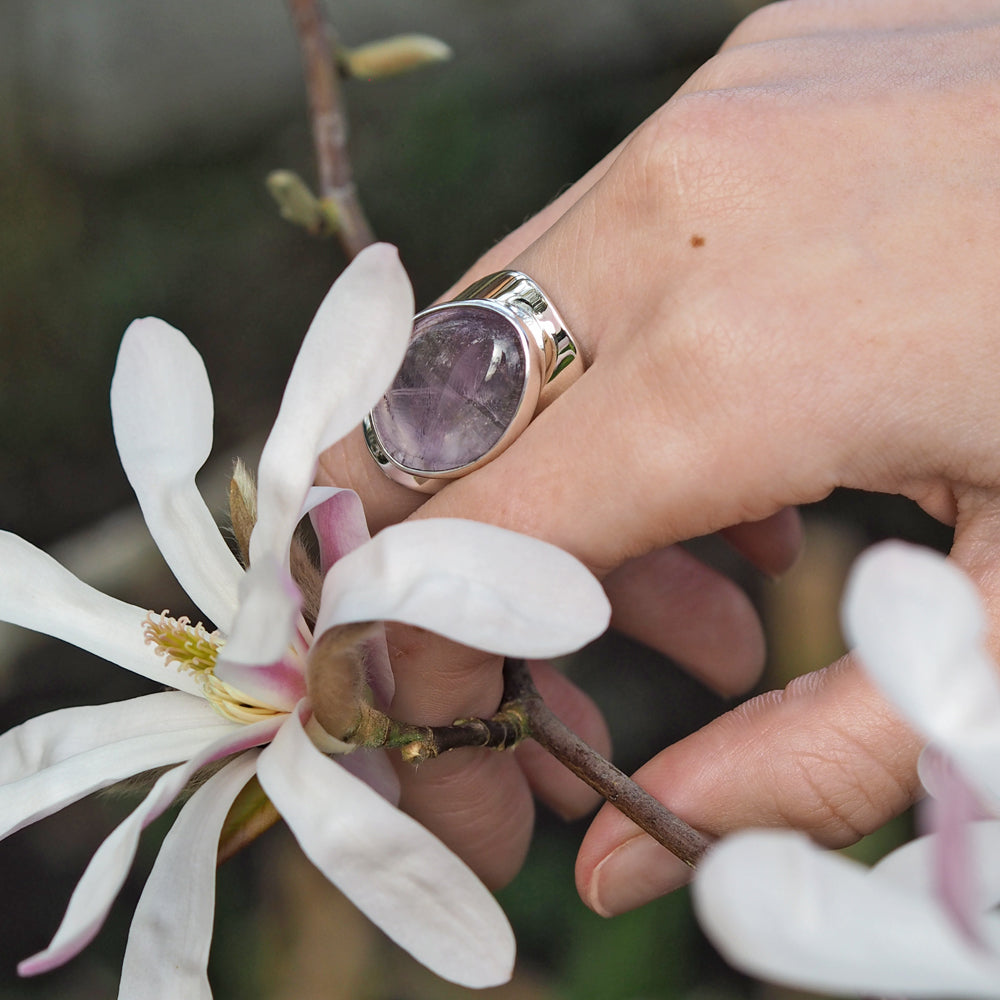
(922, 922)
(240, 692)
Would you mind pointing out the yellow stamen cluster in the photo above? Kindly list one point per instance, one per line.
(191, 647)
(194, 649)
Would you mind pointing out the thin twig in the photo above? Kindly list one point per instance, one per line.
(615, 786)
(522, 715)
(329, 125)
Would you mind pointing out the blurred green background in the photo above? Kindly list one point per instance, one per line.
(134, 143)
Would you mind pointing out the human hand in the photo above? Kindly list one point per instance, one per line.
(784, 283)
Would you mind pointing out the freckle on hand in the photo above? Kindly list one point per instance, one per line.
(697, 241)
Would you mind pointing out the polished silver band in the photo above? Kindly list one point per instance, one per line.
(477, 371)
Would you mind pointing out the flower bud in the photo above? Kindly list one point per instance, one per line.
(390, 56)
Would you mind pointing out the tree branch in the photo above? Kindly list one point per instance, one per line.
(615, 786)
(329, 125)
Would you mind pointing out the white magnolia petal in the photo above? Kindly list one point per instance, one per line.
(171, 932)
(255, 657)
(918, 627)
(55, 759)
(399, 875)
(38, 593)
(484, 586)
(350, 354)
(48, 739)
(103, 879)
(161, 408)
(780, 908)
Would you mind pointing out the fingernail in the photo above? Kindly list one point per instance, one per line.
(634, 873)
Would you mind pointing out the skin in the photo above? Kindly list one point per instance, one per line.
(790, 272)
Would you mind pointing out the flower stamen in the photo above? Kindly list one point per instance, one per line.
(194, 649)
(191, 647)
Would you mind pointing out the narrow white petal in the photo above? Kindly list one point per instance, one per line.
(399, 875)
(918, 627)
(48, 739)
(55, 759)
(101, 882)
(255, 658)
(38, 593)
(171, 933)
(350, 354)
(780, 908)
(484, 586)
(161, 407)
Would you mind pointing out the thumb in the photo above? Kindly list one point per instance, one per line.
(826, 755)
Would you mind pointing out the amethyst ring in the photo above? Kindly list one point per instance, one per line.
(477, 370)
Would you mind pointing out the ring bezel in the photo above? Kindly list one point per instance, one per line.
(551, 364)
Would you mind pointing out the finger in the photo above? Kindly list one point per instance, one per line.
(772, 545)
(675, 604)
(477, 801)
(575, 477)
(549, 780)
(827, 755)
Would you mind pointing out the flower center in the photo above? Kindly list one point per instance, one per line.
(194, 649)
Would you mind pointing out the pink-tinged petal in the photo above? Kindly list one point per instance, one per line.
(779, 908)
(378, 670)
(256, 657)
(55, 759)
(918, 627)
(338, 519)
(480, 585)
(37, 593)
(399, 875)
(948, 815)
(913, 866)
(349, 356)
(103, 879)
(374, 768)
(161, 407)
(340, 526)
(171, 933)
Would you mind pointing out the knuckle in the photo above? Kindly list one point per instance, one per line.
(775, 20)
(700, 156)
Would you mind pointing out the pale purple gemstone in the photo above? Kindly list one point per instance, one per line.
(458, 390)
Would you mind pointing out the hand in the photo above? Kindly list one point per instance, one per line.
(784, 281)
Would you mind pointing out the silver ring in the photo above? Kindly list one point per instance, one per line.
(477, 371)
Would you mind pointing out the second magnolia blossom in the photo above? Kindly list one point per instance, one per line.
(924, 921)
(241, 693)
